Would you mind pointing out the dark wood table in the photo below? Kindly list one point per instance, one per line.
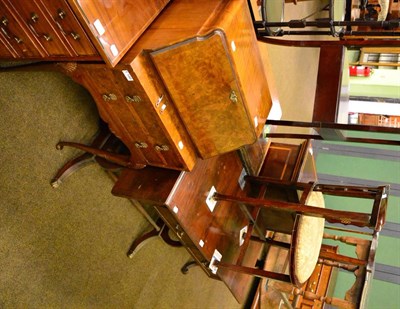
(180, 200)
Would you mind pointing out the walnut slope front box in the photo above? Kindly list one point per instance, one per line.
(206, 54)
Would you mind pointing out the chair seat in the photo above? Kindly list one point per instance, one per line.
(310, 230)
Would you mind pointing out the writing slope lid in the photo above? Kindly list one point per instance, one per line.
(200, 77)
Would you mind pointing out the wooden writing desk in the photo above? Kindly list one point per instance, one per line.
(180, 199)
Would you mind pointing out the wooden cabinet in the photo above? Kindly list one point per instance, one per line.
(206, 54)
(73, 29)
(42, 29)
(138, 111)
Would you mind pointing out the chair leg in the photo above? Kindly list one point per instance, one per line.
(101, 137)
(122, 160)
(253, 271)
(162, 231)
(190, 264)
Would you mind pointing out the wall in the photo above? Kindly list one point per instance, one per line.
(382, 83)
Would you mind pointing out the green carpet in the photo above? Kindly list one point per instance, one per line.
(66, 247)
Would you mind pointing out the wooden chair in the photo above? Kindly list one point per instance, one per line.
(308, 232)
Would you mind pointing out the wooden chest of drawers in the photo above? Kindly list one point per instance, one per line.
(42, 29)
(73, 29)
(139, 111)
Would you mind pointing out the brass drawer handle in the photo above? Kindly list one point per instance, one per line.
(233, 96)
(61, 13)
(33, 20)
(141, 145)
(5, 33)
(109, 97)
(133, 99)
(4, 21)
(34, 17)
(179, 231)
(75, 36)
(47, 37)
(161, 147)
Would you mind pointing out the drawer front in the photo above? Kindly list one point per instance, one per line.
(16, 41)
(157, 113)
(117, 109)
(36, 20)
(136, 132)
(122, 124)
(64, 20)
(159, 141)
(6, 50)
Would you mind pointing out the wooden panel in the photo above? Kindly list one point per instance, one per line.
(19, 42)
(205, 90)
(149, 185)
(6, 50)
(156, 111)
(68, 26)
(115, 25)
(35, 18)
(253, 156)
(280, 161)
(329, 79)
(248, 65)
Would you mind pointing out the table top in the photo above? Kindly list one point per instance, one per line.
(185, 194)
(218, 229)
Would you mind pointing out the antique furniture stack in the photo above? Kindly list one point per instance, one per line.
(185, 88)
(181, 84)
